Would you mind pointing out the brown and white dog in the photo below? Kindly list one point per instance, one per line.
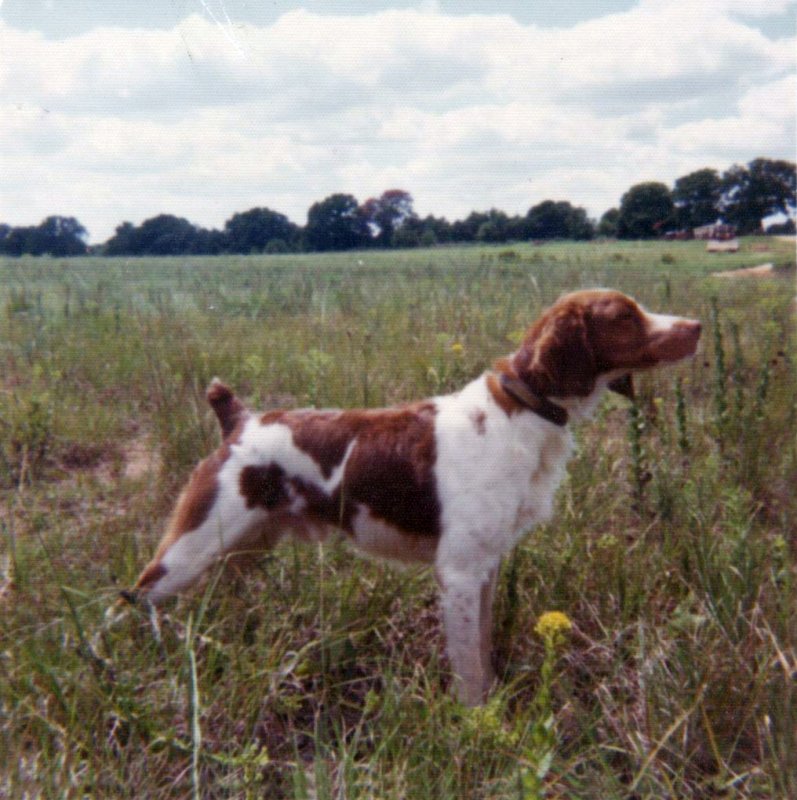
(452, 481)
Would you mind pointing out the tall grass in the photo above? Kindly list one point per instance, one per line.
(320, 676)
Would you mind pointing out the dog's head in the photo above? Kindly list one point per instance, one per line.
(587, 334)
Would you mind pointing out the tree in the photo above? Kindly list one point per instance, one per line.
(208, 242)
(387, 214)
(696, 197)
(163, 235)
(645, 209)
(336, 223)
(252, 231)
(18, 240)
(484, 226)
(61, 236)
(557, 220)
(494, 228)
(465, 230)
(123, 242)
(608, 223)
(426, 232)
(410, 234)
(55, 236)
(582, 228)
(763, 188)
(436, 230)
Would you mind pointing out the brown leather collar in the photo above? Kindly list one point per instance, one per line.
(541, 406)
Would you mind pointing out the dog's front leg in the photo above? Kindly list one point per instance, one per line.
(467, 602)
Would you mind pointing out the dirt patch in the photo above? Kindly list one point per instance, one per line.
(723, 246)
(134, 459)
(761, 271)
(79, 456)
(140, 459)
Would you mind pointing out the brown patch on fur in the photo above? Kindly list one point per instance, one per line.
(263, 486)
(193, 506)
(556, 358)
(325, 435)
(508, 404)
(229, 409)
(479, 420)
(390, 470)
(152, 573)
(617, 331)
(332, 509)
(273, 416)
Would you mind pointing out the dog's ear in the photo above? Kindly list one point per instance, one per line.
(623, 385)
(557, 359)
(229, 409)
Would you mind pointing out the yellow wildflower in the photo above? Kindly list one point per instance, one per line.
(457, 348)
(552, 626)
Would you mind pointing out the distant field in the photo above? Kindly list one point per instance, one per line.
(673, 551)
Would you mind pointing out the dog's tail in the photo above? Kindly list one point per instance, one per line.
(229, 409)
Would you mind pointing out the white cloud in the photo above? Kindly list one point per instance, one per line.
(747, 8)
(465, 112)
(764, 120)
(774, 100)
(406, 52)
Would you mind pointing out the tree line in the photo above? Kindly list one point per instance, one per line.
(743, 196)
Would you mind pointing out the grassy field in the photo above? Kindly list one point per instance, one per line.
(320, 675)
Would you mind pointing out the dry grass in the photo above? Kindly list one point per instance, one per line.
(320, 675)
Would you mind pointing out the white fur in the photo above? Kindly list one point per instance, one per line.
(661, 322)
(495, 480)
(493, 485)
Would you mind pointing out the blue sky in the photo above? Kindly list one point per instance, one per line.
(113, 111)
(61, 18)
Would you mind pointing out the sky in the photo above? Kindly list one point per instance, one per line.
(118, 110)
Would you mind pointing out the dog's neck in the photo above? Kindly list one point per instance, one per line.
(541, 406)
(582, 408)
(560, 411)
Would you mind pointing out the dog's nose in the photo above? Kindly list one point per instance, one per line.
(129, 596)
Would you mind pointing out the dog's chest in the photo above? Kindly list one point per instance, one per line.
(536, 505)
(497, 474)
